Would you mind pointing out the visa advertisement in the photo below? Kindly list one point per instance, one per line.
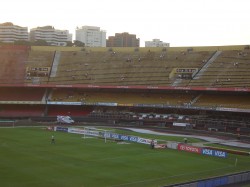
(129, 138)
(215, 153)
(203, 151)
(136, 139)
(103, 134)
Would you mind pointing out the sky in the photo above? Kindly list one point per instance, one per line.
(178, 22)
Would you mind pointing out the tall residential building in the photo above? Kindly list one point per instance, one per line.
(156, 43)
(91, 36)
(123, 40)
(9, 33)
(51, 35)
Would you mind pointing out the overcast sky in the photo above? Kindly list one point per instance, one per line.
(178, 22)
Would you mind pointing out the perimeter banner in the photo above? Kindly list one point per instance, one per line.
(103, 134)
(84, 131)
(189, 148)
(62, 129)
(129, 138)
(215, 153)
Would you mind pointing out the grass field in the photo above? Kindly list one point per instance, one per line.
(29, 159)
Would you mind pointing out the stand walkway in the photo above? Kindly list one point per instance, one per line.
(209, 62)
(55, 63)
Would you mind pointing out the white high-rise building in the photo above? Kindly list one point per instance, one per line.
(9, 33)
(91, 36)
(51, 35)
(156, 43)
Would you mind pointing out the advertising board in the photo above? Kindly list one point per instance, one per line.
(189, 148)
(215, 153)
(62, 129)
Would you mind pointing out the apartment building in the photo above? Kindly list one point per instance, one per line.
(9, 33)
(91, 36)
(51, 35)
(156, 43)
(123, 40)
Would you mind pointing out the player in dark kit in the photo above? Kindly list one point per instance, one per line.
(152, 144)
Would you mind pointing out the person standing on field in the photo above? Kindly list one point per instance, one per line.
(152, 144)
(53, 139)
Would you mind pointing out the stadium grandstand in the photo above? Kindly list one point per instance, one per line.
(205, 87)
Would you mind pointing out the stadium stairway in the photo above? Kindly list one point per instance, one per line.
(195, 99)
(210, 61)
(45, 96)
(176, 82)
(55, 63)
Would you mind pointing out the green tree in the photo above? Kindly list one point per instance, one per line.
(78, 43)
(69, 43)
(40, 43)
(22, 42)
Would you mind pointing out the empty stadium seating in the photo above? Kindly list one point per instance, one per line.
(21, 110)
(21, 94)
(38, 59)
(123, 68)
(79, 111)
(230, 69)
(120, 67)
(224, 100)
(87, 96)
(12, 61)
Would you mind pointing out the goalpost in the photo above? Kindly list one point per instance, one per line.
(95, 132)
(108, 134)
(7, 123)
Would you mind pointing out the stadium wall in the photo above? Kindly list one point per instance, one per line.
(89, 86)
(233, 179)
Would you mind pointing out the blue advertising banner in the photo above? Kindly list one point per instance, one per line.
(221, 154)
(215, 153)
(115, 136)
(63, 103)
(63, 129)
(125, 137)
(106, 104)
(104, 134)
(133, 138)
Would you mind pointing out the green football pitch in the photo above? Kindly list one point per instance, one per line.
(29, 159)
